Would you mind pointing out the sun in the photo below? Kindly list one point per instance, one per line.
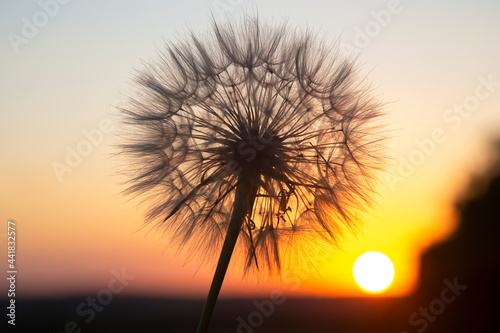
(373, 271)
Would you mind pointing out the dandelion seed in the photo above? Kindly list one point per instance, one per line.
(254, 135)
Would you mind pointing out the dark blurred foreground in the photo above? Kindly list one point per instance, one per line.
(242, 316)
(180, 316)
(459, 292)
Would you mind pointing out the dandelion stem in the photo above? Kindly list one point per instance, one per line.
(243, 203)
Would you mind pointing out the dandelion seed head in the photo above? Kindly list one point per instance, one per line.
(262, 100)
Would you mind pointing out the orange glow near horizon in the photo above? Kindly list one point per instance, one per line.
(109, 236)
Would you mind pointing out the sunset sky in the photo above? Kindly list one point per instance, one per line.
(435, 64)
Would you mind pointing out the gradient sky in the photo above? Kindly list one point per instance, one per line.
(427, 60)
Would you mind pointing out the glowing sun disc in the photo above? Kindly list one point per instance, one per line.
(373, 271)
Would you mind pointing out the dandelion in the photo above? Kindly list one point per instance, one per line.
(254, 136)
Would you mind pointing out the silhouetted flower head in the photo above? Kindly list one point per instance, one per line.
(261, 100)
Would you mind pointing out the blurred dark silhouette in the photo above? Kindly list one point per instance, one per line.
(471, 258)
